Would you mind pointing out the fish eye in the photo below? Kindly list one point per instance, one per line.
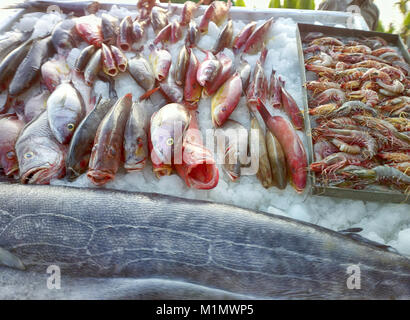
(28, 155)
(170, 141)
(70, 126)
(10, 155)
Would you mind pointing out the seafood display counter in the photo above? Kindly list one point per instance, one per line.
(96, 98)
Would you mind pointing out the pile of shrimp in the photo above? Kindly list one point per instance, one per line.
(359, 103)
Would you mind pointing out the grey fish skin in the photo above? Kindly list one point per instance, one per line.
(264, 173)
(84, 58)
(7, 259)
(29, 69)
(110, 28)
(10, 63)
(63, 36)
(93, 67)
(40, 156)
(141, 71)
(11, 42)
(232, 165)
(217, 246)
(245, 71)
(277, 161)
(181, 66)
(35, 106)
(224, 38)
(135, 139)
(82, 142)
(65, 111)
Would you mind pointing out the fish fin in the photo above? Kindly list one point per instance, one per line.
(351, 230)
(10, 260)
(148, 93)
(358, 238)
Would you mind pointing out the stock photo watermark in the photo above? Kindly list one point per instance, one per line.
(353, 281)
(54, 279)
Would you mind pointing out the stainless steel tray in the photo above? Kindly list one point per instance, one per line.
(316, 189)
(330, 18)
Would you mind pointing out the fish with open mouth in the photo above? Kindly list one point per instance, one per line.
(40, 156)
(198, 168)
(135, 139)
(82, 142)
(65, 111)
(10, 128)
(160, 61)
(107, 153)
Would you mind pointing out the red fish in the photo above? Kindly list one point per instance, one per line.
(257, 38)
(192, 89)
(198, 168)
(291, 108)
(291, 144)
(217, 12)
(107, 153)
(90, 29)
(226, 99)
(10, 128)
(243, 36)
(224, 75)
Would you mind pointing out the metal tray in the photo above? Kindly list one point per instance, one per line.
(316, 189)
(242, 13)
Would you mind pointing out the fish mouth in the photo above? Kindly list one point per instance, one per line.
(125, 47)
(122, 67)
(112, 72)
(36, 175)
(100, 178)
(138, 166)
(13, 170)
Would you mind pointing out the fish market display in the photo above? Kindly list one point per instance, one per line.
(199, 105)
(359, 103)
(105, 46)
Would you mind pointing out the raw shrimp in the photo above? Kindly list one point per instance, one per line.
(337, 161)
(322, 59)
(360, 138)
(370, 97)
(331, 95)
(353, 107)
(320, 86)
(321, 71)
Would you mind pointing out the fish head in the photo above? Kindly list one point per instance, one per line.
(40, 160)
(102, 169)
(208, 70)
(8, 159)
(63, 124)
(137, 159)
(65, 111)
(168, 126)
